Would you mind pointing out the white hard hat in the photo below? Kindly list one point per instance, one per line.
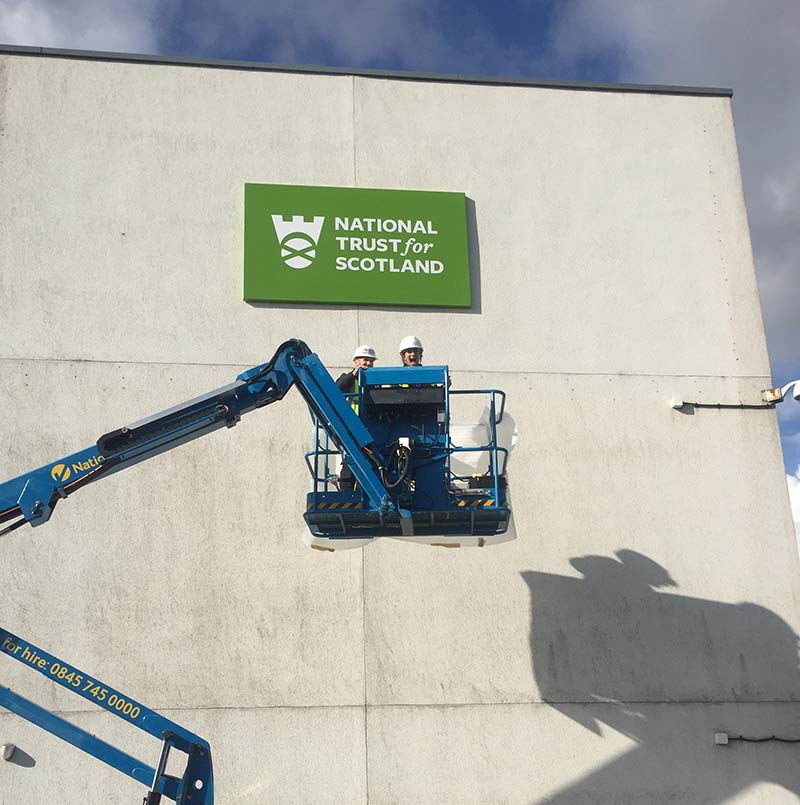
(410, 342)
(365, 351)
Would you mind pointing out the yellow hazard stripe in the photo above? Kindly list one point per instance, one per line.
(480, 502)
(338, 505)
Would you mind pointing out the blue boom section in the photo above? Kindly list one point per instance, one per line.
(32, 497)
(195, 786)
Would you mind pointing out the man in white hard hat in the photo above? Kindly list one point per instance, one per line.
(411, 351)
(363, 358)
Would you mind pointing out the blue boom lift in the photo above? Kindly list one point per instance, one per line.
(399, 449)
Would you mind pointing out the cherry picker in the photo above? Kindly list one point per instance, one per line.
(399, 449)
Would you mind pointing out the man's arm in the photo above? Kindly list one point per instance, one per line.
(346, 382)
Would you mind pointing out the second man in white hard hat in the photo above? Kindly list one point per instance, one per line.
(411, 351)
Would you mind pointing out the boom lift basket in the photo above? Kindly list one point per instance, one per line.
(407, 412)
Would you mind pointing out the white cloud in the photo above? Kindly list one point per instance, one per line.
(416, 35)
(794, 497)
(350, 32)
(114, 25)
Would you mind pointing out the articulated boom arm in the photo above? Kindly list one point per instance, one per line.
(195, 786)
(31, 498)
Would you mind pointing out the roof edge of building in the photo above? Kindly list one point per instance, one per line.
(225, 64)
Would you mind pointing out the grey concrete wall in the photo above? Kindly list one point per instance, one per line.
(650, 597)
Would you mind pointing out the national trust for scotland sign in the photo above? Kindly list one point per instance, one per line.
(345, 245)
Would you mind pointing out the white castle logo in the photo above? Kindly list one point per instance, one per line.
(298, 239)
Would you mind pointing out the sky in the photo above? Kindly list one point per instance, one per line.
(749, 46)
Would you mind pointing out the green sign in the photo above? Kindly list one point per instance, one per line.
(355, 246)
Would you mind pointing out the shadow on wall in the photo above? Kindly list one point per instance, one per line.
(614, 640)
(13, 754)
(474, 257)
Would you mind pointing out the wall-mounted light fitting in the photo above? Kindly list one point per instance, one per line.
(778, 393)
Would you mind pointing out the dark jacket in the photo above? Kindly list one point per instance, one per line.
(346, 382)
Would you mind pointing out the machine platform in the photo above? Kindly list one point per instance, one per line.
(407, 412)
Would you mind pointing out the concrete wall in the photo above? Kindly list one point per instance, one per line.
(651, 596)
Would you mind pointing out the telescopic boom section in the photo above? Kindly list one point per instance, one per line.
(31, 498)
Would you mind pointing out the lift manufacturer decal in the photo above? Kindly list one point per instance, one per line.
(354, 245)
(61, 473)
